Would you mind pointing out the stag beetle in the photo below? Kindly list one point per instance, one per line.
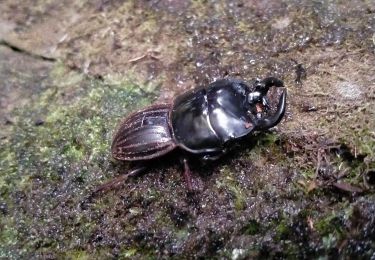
(204, 122)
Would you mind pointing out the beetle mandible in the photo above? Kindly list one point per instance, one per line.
(203, 122)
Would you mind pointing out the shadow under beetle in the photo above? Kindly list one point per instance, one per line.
(203, 122)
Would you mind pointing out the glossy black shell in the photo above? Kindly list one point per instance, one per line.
(204, 119)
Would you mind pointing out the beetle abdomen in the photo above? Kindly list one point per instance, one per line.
(144, 135)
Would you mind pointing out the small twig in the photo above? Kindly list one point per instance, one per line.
(147, 55)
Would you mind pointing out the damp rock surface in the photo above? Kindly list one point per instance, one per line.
(71, 70)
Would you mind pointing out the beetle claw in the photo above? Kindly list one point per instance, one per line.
(262, 86)
(273, 82)
(270, 121)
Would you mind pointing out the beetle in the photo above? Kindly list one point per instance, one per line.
(204, 122)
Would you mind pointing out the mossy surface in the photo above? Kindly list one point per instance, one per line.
(50, 155)
(302, 190)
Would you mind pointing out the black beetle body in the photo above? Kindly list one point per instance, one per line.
(203, 121)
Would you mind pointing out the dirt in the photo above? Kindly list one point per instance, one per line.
(71, 70)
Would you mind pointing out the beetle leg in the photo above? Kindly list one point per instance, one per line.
(192, 183)
(116, 182)
(187, 174)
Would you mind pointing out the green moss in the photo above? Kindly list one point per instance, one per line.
(330, 226)
(282, 230)
(8, 237)
(127, 253)
(253, 227)
(74, 153)
(230, 184)
(77, 254)
(74, 139)
(265, 148)
(308, 174)
(329, 241)
(8, 167)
